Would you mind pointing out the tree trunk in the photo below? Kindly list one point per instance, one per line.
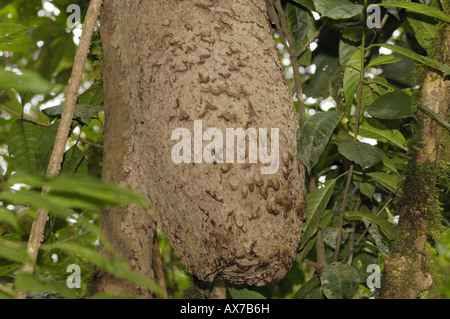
(170, 65)
(408, 269)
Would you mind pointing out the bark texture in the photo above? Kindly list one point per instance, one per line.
(169, 63)
(407, 270)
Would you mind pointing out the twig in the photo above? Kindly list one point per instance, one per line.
(355, 137)
(320, 249)
(38, 226)
(341, 213)
(289, 43)
(383, 22)
(312, 39)
(157, 266)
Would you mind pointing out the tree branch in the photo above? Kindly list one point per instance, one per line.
(38, 226)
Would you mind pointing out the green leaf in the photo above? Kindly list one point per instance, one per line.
(82, 113)
(339, 281)
(306, 249)
(372, 128)
(44, 148)
(419, 58)
(10, 31)
(88, 188)
(330, 236)
(346, 51)
(386, 227)
(426, 31)
(375, 233)
(22, 140)
(314, 135)
(351, 77)
(35, 283)
(28, 80)
(93, 96)
(307, 4)
(383, 59)
(244, 293)
(13, 38)
(8, 217)
(308, 289)
(392, 105)
(116, 267)
(389, 164)
(419, 8)
(392, 183)
(12, 251)
(364, 154)
(298, 22)
(74, 163)
(10, 104)
(365, 188)
(337, 9)
(316, 202)
(435, 116)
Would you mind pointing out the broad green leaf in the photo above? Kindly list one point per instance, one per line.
(365, 188)
(28, 80)
(355, 33)
(351, 77)
(116, 267)
(330, 236)
(298, 22)
(375, 233)
(88, 188)
(92, 96)
(313, 136)
(390, 164)
(435, 116)
(419, 58)
(419, 8)
(22, 140)
(392, 105)
(82, 113)
(326, 66)
(36, 200)
(337, 9)
(307, 4)
(364, 154)
(383, 59)
(309, 289)
(368, 95)
(10, 31)
(372, 128)
(346, 51)
(74, 162)
(12, 251)
(244, 293)
(44, 148)
(10, 104)
(386, 227)
(316, 202)
(8, 217)
(35, 283)
(13, 38)
(339, 281)
(392, 183)
(426, 31)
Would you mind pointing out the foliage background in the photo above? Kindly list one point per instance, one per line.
(36, 53)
